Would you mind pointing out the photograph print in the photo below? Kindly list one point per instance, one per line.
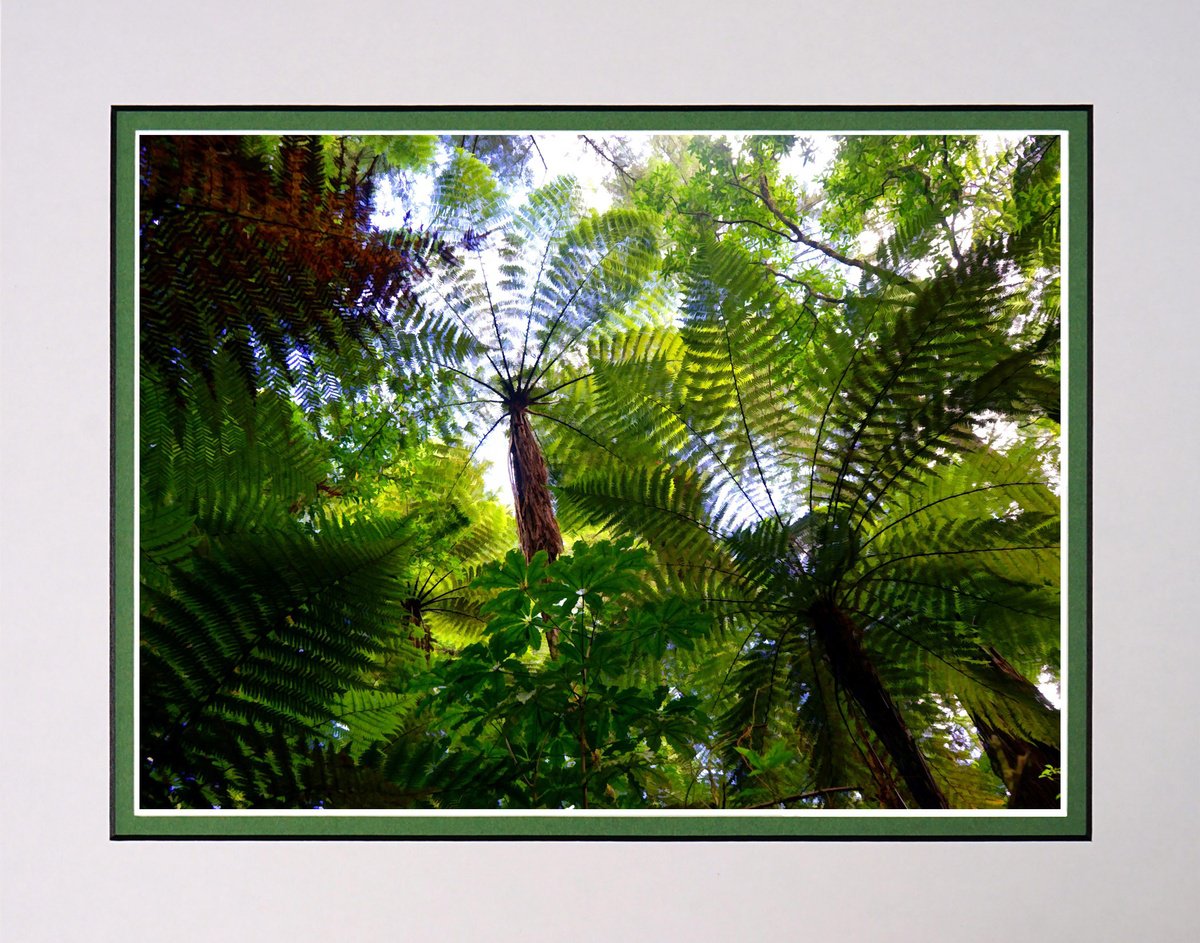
(662, 474)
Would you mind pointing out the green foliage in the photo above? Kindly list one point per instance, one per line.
(258, 609)
(833, 463)
(268, 254)
(266, 619)
(399, 151)
(590, 728)
(820, 488)
(509, 157)
(468, 199)
(709, 185)
(561, 272)
(936, 196)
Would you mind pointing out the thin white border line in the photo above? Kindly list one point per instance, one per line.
(505, 132)
(623, 813)
(137, 473)
(1063, 468)
(613, 814)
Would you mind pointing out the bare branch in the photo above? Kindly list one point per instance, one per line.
(816, 793)
(768, 200)
(604, 154)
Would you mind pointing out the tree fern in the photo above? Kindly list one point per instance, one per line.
(513, 333)
(260, 610)
(251, 638)
(833, 469)
(270, 257)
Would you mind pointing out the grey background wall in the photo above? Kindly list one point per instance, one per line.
(63, 66)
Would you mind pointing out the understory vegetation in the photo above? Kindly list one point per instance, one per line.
(781, 520)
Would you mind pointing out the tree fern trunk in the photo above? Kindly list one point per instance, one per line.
(842, 641)
(1019, 762)
(533, 507)
(885, 783)
(423, 639)
(1018, 759)
(537, 526)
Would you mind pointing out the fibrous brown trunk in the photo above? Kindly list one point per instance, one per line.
(1020, 763)
(424, 640)
(1020, 760)
(851, 666)
(885, 784)
(537, 527)
(533, 507)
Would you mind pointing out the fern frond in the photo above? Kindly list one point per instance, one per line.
(266, 634)
(271, 261)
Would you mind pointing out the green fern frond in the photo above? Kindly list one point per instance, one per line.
(267, 633)
(270, 261)
(449, 779)
(362, 718)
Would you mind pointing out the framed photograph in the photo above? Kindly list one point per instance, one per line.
(640, 473)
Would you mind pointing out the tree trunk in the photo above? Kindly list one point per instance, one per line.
(885, 783)
(851, 666)
(537, 527)
(533, 507)
(424, 640)
(1018, 759)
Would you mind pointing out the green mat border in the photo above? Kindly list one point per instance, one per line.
(1074, 120)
